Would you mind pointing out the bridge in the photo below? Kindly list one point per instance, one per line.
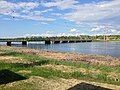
(47, 41)
(9, 42)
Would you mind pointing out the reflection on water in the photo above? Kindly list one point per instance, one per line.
(101, 48)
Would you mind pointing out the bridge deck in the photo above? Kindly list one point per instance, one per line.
(48, 41)
(12, 40)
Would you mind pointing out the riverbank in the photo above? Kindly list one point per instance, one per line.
(57, 70)
(93, 59)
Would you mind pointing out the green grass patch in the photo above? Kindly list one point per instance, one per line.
(79, 64)
(50, 73)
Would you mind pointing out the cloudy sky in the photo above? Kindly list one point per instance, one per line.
(59, 17)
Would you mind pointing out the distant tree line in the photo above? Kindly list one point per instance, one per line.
(59, 38)
(39, 38)
(110, 37)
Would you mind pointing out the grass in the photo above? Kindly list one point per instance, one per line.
(85, 65)
(51, 73)
(77, 64)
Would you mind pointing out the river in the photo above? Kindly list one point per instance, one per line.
(100, 48)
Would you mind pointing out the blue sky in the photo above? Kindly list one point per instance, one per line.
(21, 18)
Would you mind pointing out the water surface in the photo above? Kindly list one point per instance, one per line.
(100, 48)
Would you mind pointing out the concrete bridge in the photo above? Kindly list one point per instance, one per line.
(9, 42)
(70, 41)
(48, 41)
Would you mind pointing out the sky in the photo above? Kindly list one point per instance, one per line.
(25, 18)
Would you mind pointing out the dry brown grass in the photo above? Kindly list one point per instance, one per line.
(94, 59)
(12, 59)
(39, 83)
(24, 71)
(71, 69)
(114, 76)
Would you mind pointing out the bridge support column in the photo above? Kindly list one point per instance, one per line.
(83, 40)
(9, 43)
(24, 42)
(47, 42)
(64, 42)
(71, 41)
(89, 40)
(78, 41)
(56, 42)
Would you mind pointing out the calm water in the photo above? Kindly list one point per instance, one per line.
(101, 48)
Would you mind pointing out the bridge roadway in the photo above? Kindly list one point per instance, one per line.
(48, 41)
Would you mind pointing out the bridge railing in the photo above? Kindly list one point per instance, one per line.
(47, 39)
(10, 40)
(68, 39)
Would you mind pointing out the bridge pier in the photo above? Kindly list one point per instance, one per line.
(71, 41)
(9, 43)
(78, 41)
(64, 42)
(47, 42)
(24, 42)
(89, 41)
(56, 42)
(84, 40)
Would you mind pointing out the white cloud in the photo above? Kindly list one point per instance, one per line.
(73, 30)
(79, 13)
(113, 31)
(47, 34)
(47, 10)
(44, 23)
(7, 6)
(56, 14)
(37, 18)
(31, 35)
(28, 6)
(61, 34)
(105, 29)
(94, 11)
(97, 28)
(62, 4)
(23, 10)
